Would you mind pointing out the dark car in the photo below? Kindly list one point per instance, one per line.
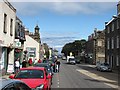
(46, 65)
(103, 67)
(10, 84)
(48, 68)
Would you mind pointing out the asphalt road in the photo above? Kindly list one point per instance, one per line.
(83, 76)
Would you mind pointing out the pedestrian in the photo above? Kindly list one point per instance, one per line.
(17, 65)
(39, 61)
(24, 63)
(30, 61)
(57, 65)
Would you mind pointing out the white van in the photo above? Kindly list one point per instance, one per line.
(71, 60)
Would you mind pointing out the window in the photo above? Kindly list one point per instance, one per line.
(108, 43)
(117, 24)
(108, 59)
(99, 43)
(11, 27)
(113, 26)
(117, 42)
(112, 42)
(108, 29)
(5, 24)
(117, 60)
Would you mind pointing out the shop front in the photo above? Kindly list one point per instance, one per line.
(18, 54)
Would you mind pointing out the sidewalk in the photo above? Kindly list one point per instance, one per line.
(6, 76)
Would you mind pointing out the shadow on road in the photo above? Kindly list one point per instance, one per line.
(103, 81)
(108, 75)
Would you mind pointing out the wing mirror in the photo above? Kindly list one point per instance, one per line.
(12, 76)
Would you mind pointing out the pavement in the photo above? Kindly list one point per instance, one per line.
(6, 76)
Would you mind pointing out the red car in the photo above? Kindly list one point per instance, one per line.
(35, 77)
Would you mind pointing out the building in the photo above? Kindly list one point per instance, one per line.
(19, 39)
(7, 35)
(35, 35)
(112, 40)
(32, 48)
(95, 47)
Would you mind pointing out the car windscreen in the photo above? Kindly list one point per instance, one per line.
(30, 74)
(71, 59)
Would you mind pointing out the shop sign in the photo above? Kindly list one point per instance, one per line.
(31, 51)
(17, 44)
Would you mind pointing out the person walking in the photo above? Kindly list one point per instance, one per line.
(24, 63)
(17, 65)
(57, 65)
(30, 61)
(39, 61)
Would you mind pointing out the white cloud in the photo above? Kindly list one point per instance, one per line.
(33, 8)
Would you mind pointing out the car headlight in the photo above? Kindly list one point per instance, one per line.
(40, 87)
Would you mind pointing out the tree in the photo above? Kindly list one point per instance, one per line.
(76, 47)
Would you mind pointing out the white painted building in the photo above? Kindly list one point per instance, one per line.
(32, 47)
(7, 35)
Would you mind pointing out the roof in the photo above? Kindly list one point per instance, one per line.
(42, 64)
(33, 68)
(114, 17)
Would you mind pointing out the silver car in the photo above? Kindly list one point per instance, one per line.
(10, 84)
(103, 67)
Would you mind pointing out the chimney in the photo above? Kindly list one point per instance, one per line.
(89, 37)
(95, 31)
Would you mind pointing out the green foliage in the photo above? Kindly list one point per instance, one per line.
(76, 47)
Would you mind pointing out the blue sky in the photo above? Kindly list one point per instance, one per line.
(63, 22)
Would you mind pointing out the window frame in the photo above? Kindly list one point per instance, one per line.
(5, 23)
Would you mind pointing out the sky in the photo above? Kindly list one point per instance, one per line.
(63, 22)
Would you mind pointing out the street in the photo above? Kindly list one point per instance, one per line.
(83, 76)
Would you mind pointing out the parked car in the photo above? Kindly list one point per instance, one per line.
(48, 69)
(63, 58)
(46, 65)
(35, 77)
(103, 67)
(9, 84)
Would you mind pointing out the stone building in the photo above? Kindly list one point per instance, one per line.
(35, 35)
(112, 40)
(95, 47)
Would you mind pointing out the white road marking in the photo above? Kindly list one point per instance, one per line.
(95, 76)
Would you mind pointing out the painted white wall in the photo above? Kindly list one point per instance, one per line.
(30, 42)
(5, 37)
